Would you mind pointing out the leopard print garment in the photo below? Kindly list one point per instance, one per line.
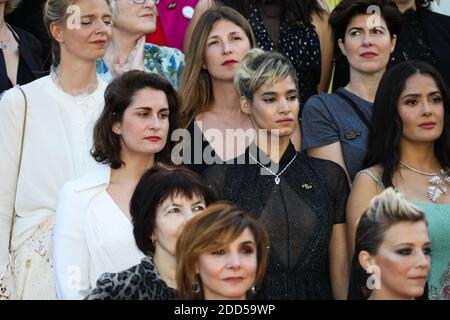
(141, 282)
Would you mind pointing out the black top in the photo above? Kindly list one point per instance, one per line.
(413, 42)
(298, 215)
(140, 282)
(199, 155)
(30, 62)
(28, 16)
(426, 37)
(299, 42)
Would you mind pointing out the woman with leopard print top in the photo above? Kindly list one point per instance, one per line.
(163, 201)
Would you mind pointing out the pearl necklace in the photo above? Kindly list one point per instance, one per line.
(277, 176)
(438, 187)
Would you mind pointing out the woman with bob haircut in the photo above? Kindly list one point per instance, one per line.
(45, 138)
(164, 199)
(93, 232)
(221, 255)
(300, 200)
(336, 126)
(392, 244)
(409, 149)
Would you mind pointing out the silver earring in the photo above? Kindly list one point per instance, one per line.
(254, 289)
(195, 287)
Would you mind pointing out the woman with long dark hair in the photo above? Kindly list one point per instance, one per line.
(409, 149)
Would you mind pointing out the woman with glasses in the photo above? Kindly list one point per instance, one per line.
(132, 21)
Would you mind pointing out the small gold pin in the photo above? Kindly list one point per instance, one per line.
(307, 186)
(172, 5)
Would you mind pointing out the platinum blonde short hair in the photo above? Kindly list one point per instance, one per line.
(259, 67)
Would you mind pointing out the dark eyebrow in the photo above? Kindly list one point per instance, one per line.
(415, 95)
(410, 244)
(269, 93)
(151, 109)
(248, 242)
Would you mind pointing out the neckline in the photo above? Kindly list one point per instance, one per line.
(116, 206)
(262, 157)
(355, 96)
(66, 95)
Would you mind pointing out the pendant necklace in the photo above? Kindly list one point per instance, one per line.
(277, 176)
(438, 187)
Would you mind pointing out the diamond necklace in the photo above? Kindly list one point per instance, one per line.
(438, 187)
(277, 176)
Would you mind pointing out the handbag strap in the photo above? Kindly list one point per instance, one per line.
(22, 138)
(355, 108)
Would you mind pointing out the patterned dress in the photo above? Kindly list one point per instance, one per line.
(165, 61)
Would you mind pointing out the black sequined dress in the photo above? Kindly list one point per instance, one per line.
(298, 213)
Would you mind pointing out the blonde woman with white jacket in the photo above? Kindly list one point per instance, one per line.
(61, 110)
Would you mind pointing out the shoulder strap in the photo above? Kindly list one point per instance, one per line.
(355, 108)
(20, 156)
(374, 177)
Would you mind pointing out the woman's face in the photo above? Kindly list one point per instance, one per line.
(421, 109)
(135, 18)
(403, 260)
(274, 107)
(226, 46)
(86, 31)
(171, 216)
(228, 273)
(368, 44)
(145, 124)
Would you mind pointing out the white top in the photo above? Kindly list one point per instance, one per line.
(92, 236)
(442, 8)
(58, 139)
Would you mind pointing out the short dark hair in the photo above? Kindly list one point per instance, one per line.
(341, 15)
(118, 97)
(155, 186)
(387, 128)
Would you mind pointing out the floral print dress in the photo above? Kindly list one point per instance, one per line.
(165, 61)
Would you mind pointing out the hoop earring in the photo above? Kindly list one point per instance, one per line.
(195, 287)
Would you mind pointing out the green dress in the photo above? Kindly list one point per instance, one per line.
(438, 217)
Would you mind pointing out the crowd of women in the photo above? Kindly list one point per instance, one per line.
(287, 150)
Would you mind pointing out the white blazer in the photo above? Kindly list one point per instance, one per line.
(92, 235)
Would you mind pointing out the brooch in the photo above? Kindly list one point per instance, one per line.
(307, 186)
